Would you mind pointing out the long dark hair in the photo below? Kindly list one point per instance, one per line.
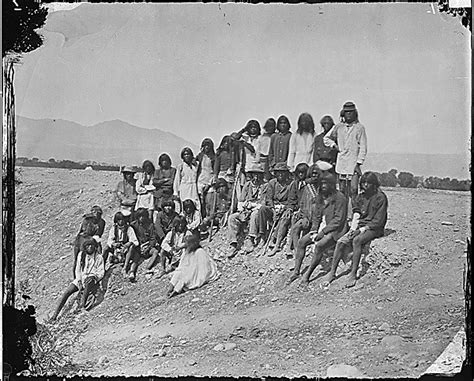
(189, 202)
(195, 240)
(189, 150)
(164, 156)
(83, 253)
(149, 163)
(281, 118)
(226, 139)
(211, 155)
(308, 118)
(255, 123)
(178, 220)
(142, 212)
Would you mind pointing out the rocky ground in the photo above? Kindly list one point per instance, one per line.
(405, 309)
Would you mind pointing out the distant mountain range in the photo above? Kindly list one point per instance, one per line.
(111, 142)
(118, 142)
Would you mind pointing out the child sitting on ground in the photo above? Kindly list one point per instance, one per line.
(89, 272)
(92, 226)
(146, 235)
(217, 205)
(171, 247)
(191, 214)
(120, 241)
(195, 269)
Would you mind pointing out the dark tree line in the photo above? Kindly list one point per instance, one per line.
(68, 164)
(407, 180)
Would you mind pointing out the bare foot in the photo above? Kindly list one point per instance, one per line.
(273, 252)
(351, 281)
(304, 283)
(293, 278)
(327, 280)
(233, 253)
(160, 274)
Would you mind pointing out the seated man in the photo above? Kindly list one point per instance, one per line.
(217, 205)
(120, 242)
(250, 201)
(294, 196)
(332, 206)
(92, 226)
(368, 222)
(275, 203)
(146, 235)
(301, 219)
(163, 219)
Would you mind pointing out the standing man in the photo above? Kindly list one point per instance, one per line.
(351, 142)
(321, 151)
(125, 190)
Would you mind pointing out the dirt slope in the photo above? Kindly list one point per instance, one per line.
(386, 326)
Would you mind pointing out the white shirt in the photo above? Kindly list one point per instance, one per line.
(301, 150)
(351, 141)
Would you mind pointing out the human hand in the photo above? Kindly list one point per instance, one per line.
(319, 236)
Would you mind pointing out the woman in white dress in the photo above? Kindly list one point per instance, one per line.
(301, 143)
(195, 269)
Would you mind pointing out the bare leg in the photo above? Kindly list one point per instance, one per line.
(323, 244)
(69, 291)
(134, 266)
(153, 260)
(170, 291)
(357, 244)
(128, 259)
(300, 252)
(89, 286)
(338, 252)
(163, 258)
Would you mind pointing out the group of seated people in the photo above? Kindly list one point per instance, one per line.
(262, 187)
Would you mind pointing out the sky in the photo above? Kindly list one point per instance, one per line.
(204, 70)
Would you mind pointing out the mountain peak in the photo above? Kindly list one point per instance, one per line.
(113, 141)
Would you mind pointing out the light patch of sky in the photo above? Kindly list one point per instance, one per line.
(203, 70)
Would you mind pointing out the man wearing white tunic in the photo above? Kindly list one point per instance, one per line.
(351, 141)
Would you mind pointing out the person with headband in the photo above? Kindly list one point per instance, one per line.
(350, 140)
(368, 223)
